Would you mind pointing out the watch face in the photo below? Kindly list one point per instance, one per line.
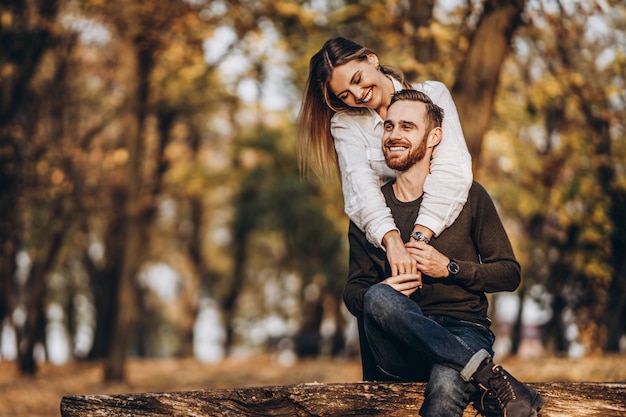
(453, 268)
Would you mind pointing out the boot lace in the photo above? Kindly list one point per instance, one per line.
(501, 384)
(488, 405)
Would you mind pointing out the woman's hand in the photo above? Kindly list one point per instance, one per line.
(399, 259)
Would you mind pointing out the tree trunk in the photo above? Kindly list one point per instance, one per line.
(8, 221)
(23, 46)
(126, 313)
(33, 330)
(420, 14)
(609, 315)
(136, 212)
(194, 250)
(228, 302)
(477, 80)
(105, 281)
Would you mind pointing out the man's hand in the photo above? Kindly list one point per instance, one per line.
(429, 260)
(399, 259)
(407, 284)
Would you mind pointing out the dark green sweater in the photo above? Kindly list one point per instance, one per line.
(477, 241)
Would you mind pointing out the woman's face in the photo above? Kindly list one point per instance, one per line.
(359, 83)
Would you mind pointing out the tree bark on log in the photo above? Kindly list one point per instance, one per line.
(339, 399)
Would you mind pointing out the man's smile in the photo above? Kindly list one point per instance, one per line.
(396, 146)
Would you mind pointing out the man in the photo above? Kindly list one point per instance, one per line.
(434, 326)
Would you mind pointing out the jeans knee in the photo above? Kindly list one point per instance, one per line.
(447, 387)
(376, 302)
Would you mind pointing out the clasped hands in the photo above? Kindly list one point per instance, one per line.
(408, 265)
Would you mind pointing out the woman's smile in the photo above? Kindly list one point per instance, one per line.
(367, 97)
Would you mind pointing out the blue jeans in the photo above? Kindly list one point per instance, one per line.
(409, 346)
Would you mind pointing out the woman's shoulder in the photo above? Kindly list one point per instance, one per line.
(430, 86)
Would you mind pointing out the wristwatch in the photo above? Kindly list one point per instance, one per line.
(453, 268)
(420, 237)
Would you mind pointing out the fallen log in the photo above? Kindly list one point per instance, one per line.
(337, 399)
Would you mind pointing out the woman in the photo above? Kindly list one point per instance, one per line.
(341, 123)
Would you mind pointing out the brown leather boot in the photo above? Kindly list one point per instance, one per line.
(486, 403)
(516, 399)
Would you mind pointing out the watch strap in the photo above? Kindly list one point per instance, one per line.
(420, 237)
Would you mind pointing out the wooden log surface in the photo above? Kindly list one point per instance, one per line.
(337, 399)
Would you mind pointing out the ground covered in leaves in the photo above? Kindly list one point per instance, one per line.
(40, 396)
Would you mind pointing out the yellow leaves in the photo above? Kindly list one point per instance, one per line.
(379, 15)
(349, 12)
(195, 185)
(287, 8)
(7, 70)
(120, 156)
(57, 177)
(42, 167)
(6, 18)
(443, 34)
(95, 157)
(596, 232)
(176, 151)
(600, 272)
(546, 90)
(189, 179)
(115, 158)
(293, 10)
(576, 79)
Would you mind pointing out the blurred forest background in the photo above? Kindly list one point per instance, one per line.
(150, 199)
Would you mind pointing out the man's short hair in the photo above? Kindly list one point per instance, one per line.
(434, 113)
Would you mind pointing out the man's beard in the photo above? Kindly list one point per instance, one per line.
(415, 155)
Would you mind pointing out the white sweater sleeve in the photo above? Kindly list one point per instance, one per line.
(363, 172)
(447, 186)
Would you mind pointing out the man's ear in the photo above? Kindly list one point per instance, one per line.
(434, 137)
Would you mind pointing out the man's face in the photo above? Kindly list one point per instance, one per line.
(406, 133)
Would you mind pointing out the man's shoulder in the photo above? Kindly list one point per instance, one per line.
(478, 198)
(388, 185)
(478, 190)
(387, 189)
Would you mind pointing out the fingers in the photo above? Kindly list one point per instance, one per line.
(416, 245)
(400, 261)
(428, 259)
(410, 286)
(405, 282)
(406, 267)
